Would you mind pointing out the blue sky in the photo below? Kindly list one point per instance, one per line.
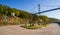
(31, 5)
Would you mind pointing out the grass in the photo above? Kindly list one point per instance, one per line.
(31, 27)
(35, 26)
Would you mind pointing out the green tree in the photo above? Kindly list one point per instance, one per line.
(45, 19)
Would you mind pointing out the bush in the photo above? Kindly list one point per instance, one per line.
(35, 26)
(31, 27)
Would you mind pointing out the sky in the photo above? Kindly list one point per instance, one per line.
(31, 6)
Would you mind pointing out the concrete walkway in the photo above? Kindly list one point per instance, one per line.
(52, 29)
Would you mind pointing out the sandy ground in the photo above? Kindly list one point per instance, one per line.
(52, 29)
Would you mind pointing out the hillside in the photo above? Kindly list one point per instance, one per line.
(15, 16)
(54, 20)
(6, 14)
(6, 10)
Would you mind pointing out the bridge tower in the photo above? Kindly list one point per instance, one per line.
(38, 7)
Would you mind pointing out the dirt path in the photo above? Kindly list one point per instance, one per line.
(52, 29)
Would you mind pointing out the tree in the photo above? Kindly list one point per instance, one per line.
(45, 19)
